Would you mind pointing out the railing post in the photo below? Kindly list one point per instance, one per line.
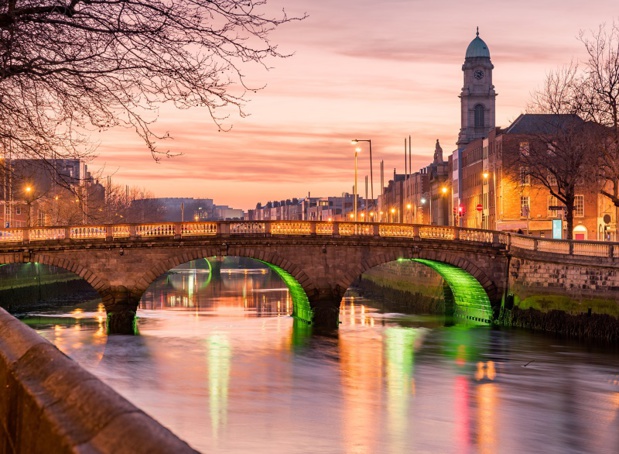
(178, 230)
(336, 229)
(223, 228)
(132, 231)
(26, 235)
(267, 227)
(496, 238)
(376, 229)
(312, 228)
(109, 232)
(67, 233)
(456, 233)
(571, 247)
(416, 234)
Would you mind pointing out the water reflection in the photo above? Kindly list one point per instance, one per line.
(224, 366)
(219, 358)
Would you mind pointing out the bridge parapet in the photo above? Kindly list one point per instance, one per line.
(178, 230)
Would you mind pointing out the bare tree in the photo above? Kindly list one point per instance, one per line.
(600, 100)
(562, 153)
(71, 67)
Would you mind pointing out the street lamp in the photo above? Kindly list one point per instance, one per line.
(357, 150)
(442, 204)
(355, 142)
(483, 202)
(28, 191)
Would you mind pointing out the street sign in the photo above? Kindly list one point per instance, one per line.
(480, 207)
(557, 229)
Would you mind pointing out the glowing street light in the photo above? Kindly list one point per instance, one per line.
(357, 150)
(485, 176)
(369, 141)
(28, 190)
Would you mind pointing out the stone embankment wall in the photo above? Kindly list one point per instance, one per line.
(571, 288)
(575, 300)
(29, 286)
(49, 404)
(24, 298)
(405, 285)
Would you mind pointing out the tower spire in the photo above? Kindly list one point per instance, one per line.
(477, 31)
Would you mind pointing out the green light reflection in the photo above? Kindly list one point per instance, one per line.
(219, 360)
(301, 308)
(400, 361)
(472, 302)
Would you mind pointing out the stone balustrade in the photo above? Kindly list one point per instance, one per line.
(303, 228)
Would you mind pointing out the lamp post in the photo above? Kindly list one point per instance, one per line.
(444, 191)
(423, 201)
(483, 202)
(28, 191)
(369, 141)
(357, 150)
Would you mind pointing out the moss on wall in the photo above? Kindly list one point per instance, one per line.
(578, 326)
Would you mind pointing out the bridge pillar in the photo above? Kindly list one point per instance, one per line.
(121, 306)
(325, 305)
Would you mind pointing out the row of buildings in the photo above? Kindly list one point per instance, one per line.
(58, 192)
(476, 185)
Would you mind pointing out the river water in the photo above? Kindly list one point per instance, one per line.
(220, 362)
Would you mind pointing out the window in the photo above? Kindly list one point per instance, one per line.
(553, 203)
(524, 148)
(525, 177)
(18, 210)
(479, 116)
(524, 206)
(579, 206)
(552, 181)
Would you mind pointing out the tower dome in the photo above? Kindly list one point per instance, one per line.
(477, 48)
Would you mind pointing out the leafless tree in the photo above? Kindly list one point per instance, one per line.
(600, 100)
(562, 152)
(69, 68)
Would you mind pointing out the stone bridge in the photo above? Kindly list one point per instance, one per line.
(318, 260)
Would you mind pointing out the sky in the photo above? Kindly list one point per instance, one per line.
(367, 69)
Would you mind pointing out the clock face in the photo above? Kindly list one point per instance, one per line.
(478, 74)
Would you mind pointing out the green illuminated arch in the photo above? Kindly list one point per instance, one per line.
(470, 298)
(300, 302)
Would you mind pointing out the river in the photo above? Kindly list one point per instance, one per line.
(220, 362)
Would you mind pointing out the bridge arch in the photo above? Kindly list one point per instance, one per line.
(112, 294)
(467, 282)
(469, 298)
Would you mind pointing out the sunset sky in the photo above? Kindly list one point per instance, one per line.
(361, 69)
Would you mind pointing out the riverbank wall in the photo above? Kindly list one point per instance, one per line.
(590, 311)
(407, 286)
(29, 286)
(50, 404)
(27, 298)
(571, 300)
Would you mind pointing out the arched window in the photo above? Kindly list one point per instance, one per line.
(479, 116)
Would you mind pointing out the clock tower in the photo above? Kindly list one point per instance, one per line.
(477, 98)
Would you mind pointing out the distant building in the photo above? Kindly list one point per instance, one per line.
(40, 192)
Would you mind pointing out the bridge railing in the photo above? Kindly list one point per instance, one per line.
(415, 232)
